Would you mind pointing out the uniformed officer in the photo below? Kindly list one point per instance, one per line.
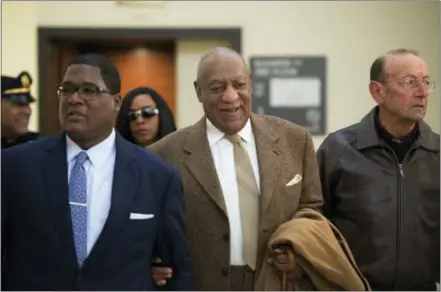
(16, 110)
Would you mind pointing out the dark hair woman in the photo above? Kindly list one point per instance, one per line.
(144, 117)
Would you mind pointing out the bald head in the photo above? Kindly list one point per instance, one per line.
(400, 84)
(216, 55)
(378, 69)
(224, 88)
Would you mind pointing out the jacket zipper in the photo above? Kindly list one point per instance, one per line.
(399, 210)
(399, 202)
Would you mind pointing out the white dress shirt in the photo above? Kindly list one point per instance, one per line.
(99, 173)
(223, 156)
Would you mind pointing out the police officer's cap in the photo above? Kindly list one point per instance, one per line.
(17, 89)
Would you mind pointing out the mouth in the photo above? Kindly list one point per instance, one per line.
(75, 115)
(143, 132)
(230, 110)
(23, 120)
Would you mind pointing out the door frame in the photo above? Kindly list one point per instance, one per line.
(50, 38)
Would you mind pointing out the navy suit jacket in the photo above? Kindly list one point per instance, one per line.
(38, 250)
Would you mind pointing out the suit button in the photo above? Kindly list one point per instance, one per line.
(226, 237)
(78, 280)
(224, 272)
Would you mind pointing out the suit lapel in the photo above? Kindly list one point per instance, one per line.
(125, 180)
(270, 160)
(54, 171)
(201, 164)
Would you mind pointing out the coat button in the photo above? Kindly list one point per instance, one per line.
(226, 237)
(79, 280)
(224, 272)
(79, 276)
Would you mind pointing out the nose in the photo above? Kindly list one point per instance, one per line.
(139, 120)
(26, 110)
(422, 94)
(230, 94)
(422, 91)
(74, 98)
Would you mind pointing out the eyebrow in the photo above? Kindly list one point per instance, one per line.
(235, 79)
(68, 82)
(413, 76)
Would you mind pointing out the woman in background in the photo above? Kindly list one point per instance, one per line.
(144, 117)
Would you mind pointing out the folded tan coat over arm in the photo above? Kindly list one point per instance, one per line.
(321, 252)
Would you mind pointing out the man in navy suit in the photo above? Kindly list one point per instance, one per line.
(87, 210)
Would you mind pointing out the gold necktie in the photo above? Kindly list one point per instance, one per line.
(248, 200)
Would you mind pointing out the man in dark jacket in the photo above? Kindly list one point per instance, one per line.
(16, 110)
(381, 179)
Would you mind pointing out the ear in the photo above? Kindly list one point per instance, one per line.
(377, 91)
(118, 100)
(198, 90)
(251, 83)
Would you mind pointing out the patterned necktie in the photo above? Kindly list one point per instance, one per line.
(78, 205)
(248, 200)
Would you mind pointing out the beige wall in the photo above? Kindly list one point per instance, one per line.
(350, 34)
(19, 44)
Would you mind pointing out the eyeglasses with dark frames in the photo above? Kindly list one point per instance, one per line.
(85, 91)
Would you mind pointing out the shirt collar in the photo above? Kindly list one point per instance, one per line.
(98, 154)
(214, 135)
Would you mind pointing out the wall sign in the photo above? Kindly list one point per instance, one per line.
(292, 88)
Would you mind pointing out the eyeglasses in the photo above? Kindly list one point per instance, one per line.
(145, 112)
(411, 84)
(84, 91)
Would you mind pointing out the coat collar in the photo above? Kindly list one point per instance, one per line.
(368, 136)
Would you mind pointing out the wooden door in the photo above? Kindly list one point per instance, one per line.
(145, 67)
(59, 56)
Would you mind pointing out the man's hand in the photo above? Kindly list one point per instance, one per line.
(160, 274)
(284, 261)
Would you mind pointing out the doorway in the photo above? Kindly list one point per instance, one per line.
(143, 58)
(151, 64)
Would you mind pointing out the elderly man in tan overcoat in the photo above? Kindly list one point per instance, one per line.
(243, 176)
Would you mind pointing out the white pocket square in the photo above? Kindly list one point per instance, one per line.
(295, 180)
(139, 216)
